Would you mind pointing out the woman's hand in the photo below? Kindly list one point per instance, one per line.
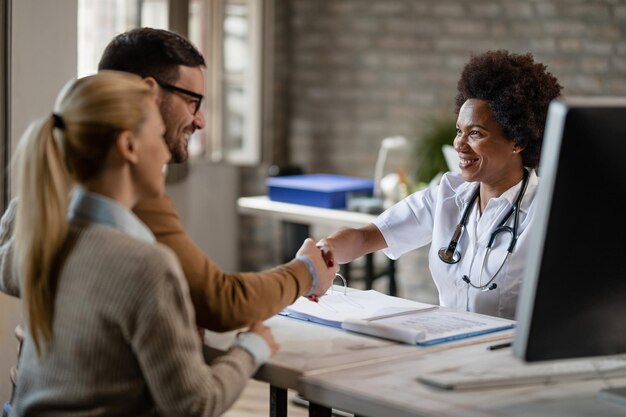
(266, 333)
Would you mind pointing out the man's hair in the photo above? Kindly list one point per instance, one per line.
(150, 52)
(518, 91)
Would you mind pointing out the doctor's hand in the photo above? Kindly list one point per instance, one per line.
(325, 266)
(348, 244)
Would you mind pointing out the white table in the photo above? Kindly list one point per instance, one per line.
(298, 213)
(302, 216)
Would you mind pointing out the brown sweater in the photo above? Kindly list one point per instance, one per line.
(223, 301)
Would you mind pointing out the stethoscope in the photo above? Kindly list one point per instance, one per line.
(450, 255)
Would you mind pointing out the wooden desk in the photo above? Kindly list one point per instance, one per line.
(377, 378)
(309, 349)
(297, 218)
(391, 389)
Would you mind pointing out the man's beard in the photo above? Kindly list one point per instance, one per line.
(174, 144)
(177, 150)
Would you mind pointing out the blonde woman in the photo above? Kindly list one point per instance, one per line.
(110, 325)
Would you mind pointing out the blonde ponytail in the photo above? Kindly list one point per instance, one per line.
(70, 145)
(41, 222)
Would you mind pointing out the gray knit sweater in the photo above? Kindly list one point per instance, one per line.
(124, 337)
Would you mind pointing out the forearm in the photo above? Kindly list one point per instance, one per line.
(347, 245)
(230, 301)
(169, 353)
(223, 301)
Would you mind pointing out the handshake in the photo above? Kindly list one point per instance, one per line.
(323, 264)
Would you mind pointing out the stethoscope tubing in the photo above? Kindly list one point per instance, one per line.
(450, 255)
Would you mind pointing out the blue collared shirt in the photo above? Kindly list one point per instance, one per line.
(101, 210)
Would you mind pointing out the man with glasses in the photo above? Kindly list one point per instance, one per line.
(222, 301)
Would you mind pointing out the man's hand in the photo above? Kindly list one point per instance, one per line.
(324, 264)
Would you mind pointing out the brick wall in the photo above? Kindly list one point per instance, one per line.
(361, 70)
(365, 69)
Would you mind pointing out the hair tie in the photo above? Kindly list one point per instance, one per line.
(58, 121)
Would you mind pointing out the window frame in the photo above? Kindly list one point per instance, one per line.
(251, 82)
(5, 108)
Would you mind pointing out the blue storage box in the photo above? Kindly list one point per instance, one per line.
(319, 190)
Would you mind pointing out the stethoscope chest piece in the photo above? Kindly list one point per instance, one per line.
(449, 256)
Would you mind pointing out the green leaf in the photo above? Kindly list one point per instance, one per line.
(438, 131)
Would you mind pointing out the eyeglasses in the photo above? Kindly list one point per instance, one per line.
(172, 88)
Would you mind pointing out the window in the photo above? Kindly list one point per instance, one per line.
(230, 35)
(100, 20)
(5, 86)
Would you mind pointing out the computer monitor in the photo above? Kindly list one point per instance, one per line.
(573, 297)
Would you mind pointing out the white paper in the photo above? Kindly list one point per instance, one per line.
(333, 308)
(436, 325)
(376, 314)
(373, 328)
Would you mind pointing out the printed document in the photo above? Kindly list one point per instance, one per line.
(376, 314)
(337, 306)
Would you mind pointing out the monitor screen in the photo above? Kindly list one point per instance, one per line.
(573, 298)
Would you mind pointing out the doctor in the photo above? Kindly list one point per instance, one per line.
(477, 221)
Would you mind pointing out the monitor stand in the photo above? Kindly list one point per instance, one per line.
(616, 395)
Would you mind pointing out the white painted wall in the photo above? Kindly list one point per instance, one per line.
(43, 60)
(43, 57)
(206, 201)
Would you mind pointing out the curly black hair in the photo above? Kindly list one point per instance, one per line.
(518, 91)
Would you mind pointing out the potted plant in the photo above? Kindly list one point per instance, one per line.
(439, 130)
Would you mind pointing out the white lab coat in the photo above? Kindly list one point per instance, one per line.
(431, 215)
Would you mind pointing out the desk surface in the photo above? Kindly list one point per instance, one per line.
(377, 378)
(392, 389)
(310, 349)
(297, 213)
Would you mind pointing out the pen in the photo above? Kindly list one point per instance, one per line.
(499, 346)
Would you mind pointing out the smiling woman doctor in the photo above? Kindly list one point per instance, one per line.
(475, 221)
